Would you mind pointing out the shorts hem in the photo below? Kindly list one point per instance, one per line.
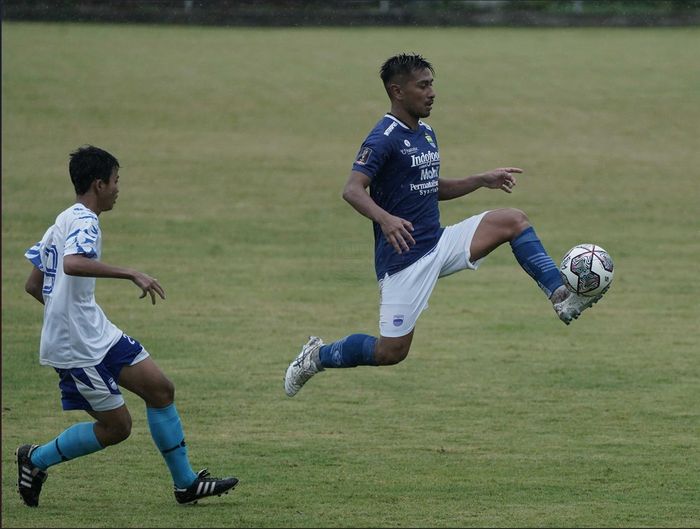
(396, 334)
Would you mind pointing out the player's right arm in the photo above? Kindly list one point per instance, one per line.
(35, 285)
(396, 230)
(80, 265)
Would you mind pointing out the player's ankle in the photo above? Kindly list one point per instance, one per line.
(559, 295)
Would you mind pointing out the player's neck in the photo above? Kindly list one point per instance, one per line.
(90, 202)
(403, 116)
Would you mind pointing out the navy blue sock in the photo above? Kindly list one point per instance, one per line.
(533, 258)
(78, 440)
(351, 351)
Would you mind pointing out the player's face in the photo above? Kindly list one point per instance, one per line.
(419, 94)
(110, 191)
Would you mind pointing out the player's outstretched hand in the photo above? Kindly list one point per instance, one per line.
(398, 232)
(501, 178)
(148, 285)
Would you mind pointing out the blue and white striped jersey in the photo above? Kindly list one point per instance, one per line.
(75, 332)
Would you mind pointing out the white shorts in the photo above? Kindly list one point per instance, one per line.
(404, 295)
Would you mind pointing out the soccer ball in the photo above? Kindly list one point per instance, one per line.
(587, 269)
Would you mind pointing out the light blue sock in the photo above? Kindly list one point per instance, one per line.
(351, 351)
(78, 440)
(535, 261)
(166, 430)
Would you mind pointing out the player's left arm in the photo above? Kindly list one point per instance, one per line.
(501, 178)
(80, 265)
(35, 285)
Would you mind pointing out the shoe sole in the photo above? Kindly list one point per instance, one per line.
(578, 312)
(286, 375)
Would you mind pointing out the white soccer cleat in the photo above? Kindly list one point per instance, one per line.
(568, 305)
(304, 366)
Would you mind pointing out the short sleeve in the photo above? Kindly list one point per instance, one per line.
(83, 237)
(34, 256)
(372, 155)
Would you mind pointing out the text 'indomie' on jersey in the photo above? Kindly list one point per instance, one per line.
(403, 166)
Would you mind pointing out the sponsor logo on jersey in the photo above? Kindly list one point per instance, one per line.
(410, 150)
(390, 128)
(425, 159)
(364, 155)
(407, 143)
(112, 384)
(425, 187)
(429, 173)
(398, 320)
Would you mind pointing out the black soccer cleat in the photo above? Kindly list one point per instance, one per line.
(30, 478)
(204, 486)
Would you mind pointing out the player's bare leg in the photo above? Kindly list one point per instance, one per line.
(392, 350)
(497, 227)
(512, 225)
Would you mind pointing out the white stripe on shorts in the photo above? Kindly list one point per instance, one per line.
(100, 398)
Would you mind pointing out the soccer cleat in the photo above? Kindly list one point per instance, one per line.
(204, 486)
(30, 477)
(304, 366)
(569, 307)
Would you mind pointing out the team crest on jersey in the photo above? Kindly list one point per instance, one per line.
(430, 139)
(364, 155)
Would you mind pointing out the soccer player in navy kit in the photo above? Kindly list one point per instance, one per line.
(89, 353)
(400, 163)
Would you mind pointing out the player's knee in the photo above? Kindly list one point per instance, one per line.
(518, 220)
(116, 432)
(392, 354)
(164, 394)
(122, 433)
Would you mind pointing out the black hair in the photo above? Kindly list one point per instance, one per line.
(89, 163)
(403, 65)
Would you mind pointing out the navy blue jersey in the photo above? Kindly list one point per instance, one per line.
(403, 166)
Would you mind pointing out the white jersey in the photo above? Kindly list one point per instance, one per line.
(75, 333)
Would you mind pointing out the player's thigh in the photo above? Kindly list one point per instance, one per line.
(89, 388)
(119, 415)
(496, 227)
(405, 294)
(456, 243)
(149, 382)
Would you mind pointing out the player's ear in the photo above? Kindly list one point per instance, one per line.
(97, 185)
(395, 91)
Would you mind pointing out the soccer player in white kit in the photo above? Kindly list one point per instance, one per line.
(399, 162)
(90, 354)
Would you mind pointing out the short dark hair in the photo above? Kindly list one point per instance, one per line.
(89, 163)
(403, 65)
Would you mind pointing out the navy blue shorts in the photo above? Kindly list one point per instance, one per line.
(95, 387)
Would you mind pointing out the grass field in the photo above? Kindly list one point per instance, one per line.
(235, 145)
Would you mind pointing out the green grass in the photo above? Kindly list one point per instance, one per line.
(235, 145)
